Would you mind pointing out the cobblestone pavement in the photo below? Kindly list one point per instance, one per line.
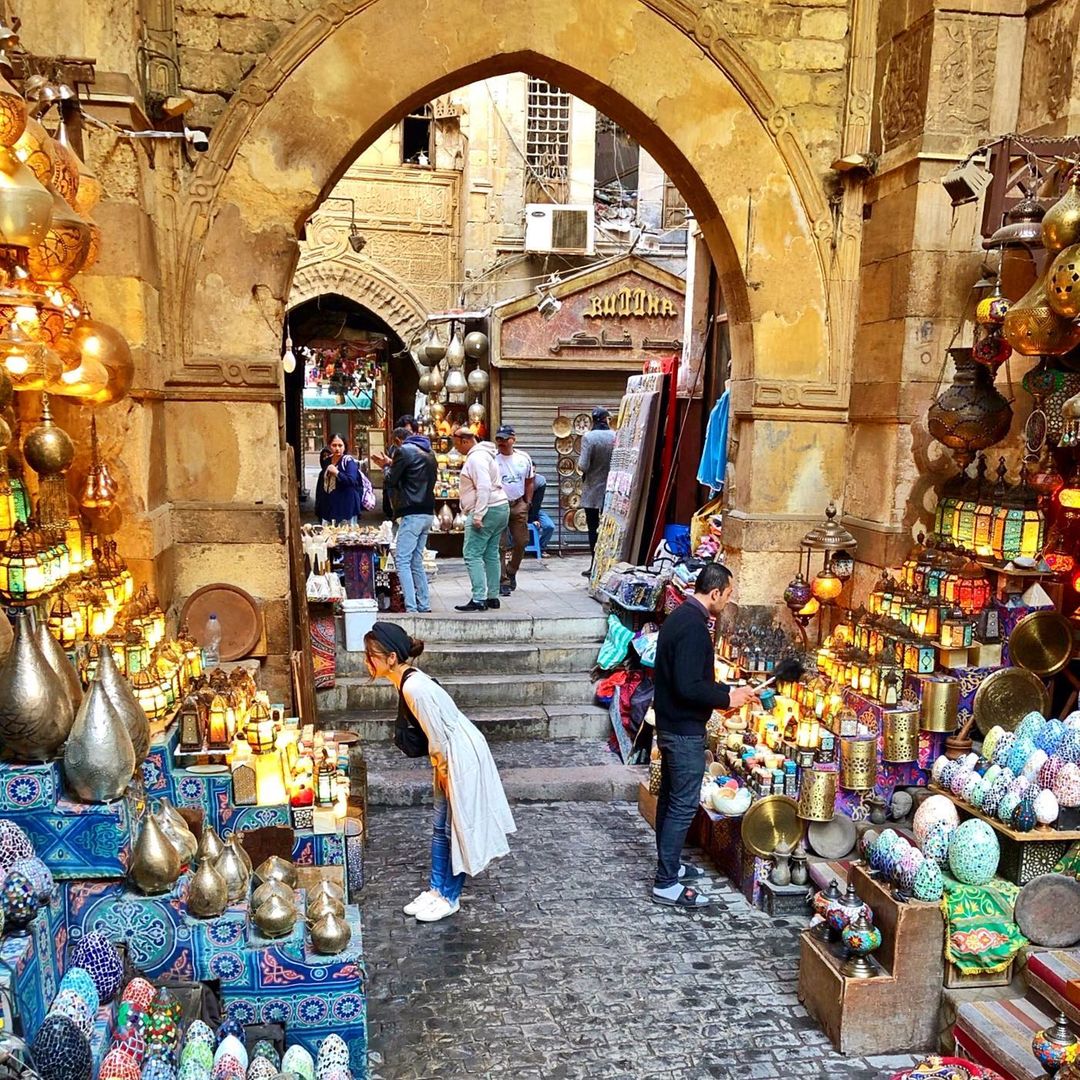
(558, 966)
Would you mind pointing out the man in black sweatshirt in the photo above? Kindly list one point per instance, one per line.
(685, 696)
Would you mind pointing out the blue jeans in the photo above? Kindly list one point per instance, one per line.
(412, 535)
(443, 880)
(682, 766)
(547, 530)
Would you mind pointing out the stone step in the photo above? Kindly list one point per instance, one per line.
(513, 658)
(359, 694)
(497, 724)
(536, 770)
(502, 627)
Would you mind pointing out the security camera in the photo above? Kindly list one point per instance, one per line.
(548, 306)
(197, 140)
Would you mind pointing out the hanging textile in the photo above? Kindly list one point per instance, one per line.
(713, 465)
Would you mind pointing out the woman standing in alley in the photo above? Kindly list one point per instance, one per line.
(472, 816)
(345, 489)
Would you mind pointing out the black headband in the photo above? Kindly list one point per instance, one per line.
(392, 638)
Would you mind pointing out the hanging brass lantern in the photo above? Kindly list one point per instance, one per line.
(478, 380)
(49, 451)
(88, 378)
(1020, 242)
(970, 415)
(99, 341)
(57, 659)
(25, 206)
(208, 894)
(455, 351)
(63, 249)
(477, 413)
(12, 114)
(155, 863)
(1033, 328)
(34, 149)
(65, 174)
(1063, 283)
(1061, 225)
(29, 364)
(99, 489)
(476, 344)
(34, 719)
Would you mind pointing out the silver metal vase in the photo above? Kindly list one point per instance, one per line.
(35, 714)
(155, 863)
(57, 659)
(99, 758)
(125, 703)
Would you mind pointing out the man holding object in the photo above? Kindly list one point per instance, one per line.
(686, 695)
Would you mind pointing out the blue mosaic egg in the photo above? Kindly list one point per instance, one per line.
(1072, 721)
(200, 1032)
(61, 1051)
(198, 1052)
(298, 1061)
(230, 1026)
(1049, 739)
(264, 1048)
(332, 1053)
(1003, 747)
(1030, 726)
(1021, 750)
(1007, 807)
(949, 772)
(929, 884)
(75, 1007)
(78, 980)
(14, 843)
(887, 838)
(39, 874)
(996, 792)
(967, 792)
(907, 868)
(19, 899)
(97, 955)
(974, 852)
(1034, 763)
(1069, 747)
(154, 1069)
(936, 844)
(978, 792)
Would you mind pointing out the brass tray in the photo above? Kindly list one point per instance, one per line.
(1042, 643)
(566, 466)
(562, 426)
(582, 423)
(768, 821)
(565, 444)
(1007, 696)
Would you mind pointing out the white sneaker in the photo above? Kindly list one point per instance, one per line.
(421, 901)
(438, 909)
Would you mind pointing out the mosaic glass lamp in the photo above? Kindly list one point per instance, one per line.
(22, 574)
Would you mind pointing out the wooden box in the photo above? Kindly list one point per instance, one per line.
(955, 979)
(646, 804)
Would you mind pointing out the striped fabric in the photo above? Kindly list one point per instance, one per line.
(999, 1034)
(1056, 975)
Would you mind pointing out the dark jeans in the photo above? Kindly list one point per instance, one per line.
(682, 766)
(592, 523)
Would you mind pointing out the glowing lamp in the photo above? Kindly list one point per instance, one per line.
(22, 573)
(65, 622)
(30, 364)
(192, 725)
(218, 724)
(260, 735)
(973, 589)
(150, 693)
(270, 787)
(810, 608)
(75, 540)
(826, 587)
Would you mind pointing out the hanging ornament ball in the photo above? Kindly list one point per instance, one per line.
(455, 382)
(477, 412)
(991, 351)
(98, 341)
(476, 344)
(104, 520)
(992, 310)
(478, 380)
(12, 113)
(48, 448)
(438, 410)
(424, 383)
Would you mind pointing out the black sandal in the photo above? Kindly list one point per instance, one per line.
(687, 898)
(690, 872)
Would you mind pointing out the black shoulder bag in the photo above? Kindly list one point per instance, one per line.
(409, 736)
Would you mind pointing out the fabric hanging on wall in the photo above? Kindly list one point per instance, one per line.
(714, 455)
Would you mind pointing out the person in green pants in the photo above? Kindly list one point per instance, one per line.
(487, 513)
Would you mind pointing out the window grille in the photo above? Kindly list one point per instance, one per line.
(547, 130)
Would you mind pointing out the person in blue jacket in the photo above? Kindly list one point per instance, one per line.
(342, 485)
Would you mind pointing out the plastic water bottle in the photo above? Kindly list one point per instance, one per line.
(212, 642)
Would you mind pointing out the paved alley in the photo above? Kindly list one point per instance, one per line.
(558, 967)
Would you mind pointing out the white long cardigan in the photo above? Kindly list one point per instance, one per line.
(479, 813)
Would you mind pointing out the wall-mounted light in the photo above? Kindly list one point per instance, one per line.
(288, 358)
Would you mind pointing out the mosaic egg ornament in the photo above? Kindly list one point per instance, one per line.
(14, 844)
(154, 1069)
(1049, 739)
(234, 1047)
(200, 1032)
(974, 852)
(334, 1052)
(936, 844)
(160, 1029)
(264, 1048)
(967, 792)
(850, 936)
(298, 1060)
(890, 860)
(1025, 819)
(61, 1051)
(20, 901)
(1069, 747)
(230, 1026)
(978, 792)
(949, 772)
(131, 1041)
(139, 993)
(939, 766)
(78, 980)
(97, 955)
(1003, 747)
(1018, 756)
(1046, 807)
(227, 1067)
(1032, 723)
(75, 1007)
(1034, 763)
(934, 810)
(907, 868)
(192, 1070)
(1048, 774)
(929, 885)
(39, 874)
(959, 781)
(118, 1066)
(1067, 785)
(1010, 801)
(1072, 721)
(261, 1069)
(161, 1051)
(199, 1052)
(990, 741)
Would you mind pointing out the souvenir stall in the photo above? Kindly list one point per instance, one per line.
(160, 823)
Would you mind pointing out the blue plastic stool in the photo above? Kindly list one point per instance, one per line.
(533, 546)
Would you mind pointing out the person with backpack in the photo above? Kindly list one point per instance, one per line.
(410, 482)
(472, 817)
(346, 490)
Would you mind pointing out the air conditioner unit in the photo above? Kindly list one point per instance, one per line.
(561, 230)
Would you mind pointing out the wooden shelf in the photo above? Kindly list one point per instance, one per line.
(1041, 833)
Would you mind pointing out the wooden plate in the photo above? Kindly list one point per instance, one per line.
(1007, 696)
(567, 487)
(1042, 642)
(582, 423)
(768, 821)
(566, 466)
(562, 426)
(573, 500)
(237, 611)
(565, 445)
(570, 521)
(832, 839)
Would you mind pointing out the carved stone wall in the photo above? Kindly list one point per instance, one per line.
(1050, 94)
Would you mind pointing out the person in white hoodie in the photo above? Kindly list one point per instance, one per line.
(487, 512)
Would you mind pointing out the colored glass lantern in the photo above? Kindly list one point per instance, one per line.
(22, 499)
(985, 514)
(192, 725)
(22, 574)
(65, 622)
(218, 724)
(826, 586)
(74, 538)
(973, 590)
(270, 780)
(150, 693)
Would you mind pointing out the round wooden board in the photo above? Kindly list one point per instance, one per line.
(1048, 911)
(236, 611)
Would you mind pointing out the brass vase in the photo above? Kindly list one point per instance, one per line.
(57, 659)
(271, 888)
(245, 858)
(179, 835)
(330, 934)
(275, 918)
(327, 888)
(277, 869)
(125, 703)
(98, 758)
(155, 863)
(210, 846)
(34, 710)
(324, 905)
(232, 869)
(208, 895)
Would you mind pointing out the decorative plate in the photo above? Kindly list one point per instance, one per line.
(768, 821)
(581, 522)
(573, 500)
(567, 487)
(582, 423)
(567, 466)
(577, 445)
(562, 426)
(237, 611)
(565, 445)
(1005, 697)
(570, 521)
(1042, 642)
(207, 770)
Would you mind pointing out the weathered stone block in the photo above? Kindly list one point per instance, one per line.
(197, 31)
(813, 55)
(248, 35)
(830, 90)
(826, 25)
(203, 70)
(794, 89)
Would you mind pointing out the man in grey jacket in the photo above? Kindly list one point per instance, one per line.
(594, 463)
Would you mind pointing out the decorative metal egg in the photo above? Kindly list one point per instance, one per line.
(75, 1007)
(990, 741)
(929, 885)
(20, 901)
(77, 979)
(936, 809)
(1046, 807)
(264, 1048)
(299, 1061)
(1067, 785)
(332, 1052)
(1024, 818)
(231, 1046)
(936, 844)
(61, 1051)
(96, 954)
(1002, 748)
(14, 843)
(974, 852)
(119, 1066)
(200, 1031)
(39, 874)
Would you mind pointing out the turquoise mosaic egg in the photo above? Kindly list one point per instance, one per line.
(967, 792)
(298, 1060)
(907, 868)
(929, 884)
(1003, 748)
(1030, 726)
(193, 1071)
(978, 793)
(974, 852)
(936, 844)
(1007, 808)
(78, 980)
(1019, 753)
(1049, 739)
(1069, 747)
